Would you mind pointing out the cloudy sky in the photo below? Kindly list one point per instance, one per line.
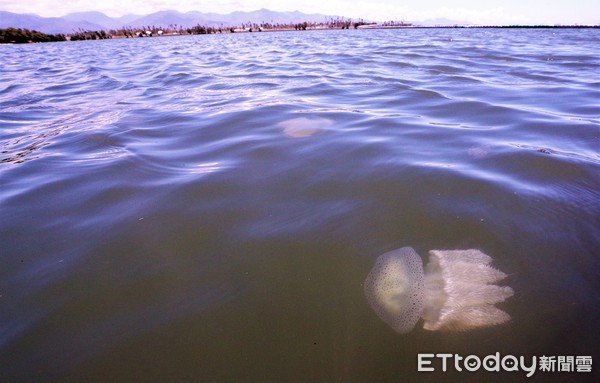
(474, 11)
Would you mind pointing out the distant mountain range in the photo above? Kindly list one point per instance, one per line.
(97, 21)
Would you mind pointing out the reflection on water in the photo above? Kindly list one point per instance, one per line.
(207, 208)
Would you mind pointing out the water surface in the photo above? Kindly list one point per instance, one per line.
(206, 208)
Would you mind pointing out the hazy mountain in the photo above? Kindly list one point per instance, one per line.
(267, 16)
(95, 17)
(190, 19)
(45, 24)
(166, 18)
(99, 21)
(128, 18)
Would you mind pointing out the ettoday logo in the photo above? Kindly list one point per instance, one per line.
(492, 363)
(496, 363)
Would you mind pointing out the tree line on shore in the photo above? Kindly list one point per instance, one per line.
(22, 36)
(19, 36)
(333, 23)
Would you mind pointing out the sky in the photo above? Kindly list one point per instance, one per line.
(471, 11)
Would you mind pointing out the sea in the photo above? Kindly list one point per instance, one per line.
(206, 208)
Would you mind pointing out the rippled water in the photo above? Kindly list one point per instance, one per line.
(206, 208)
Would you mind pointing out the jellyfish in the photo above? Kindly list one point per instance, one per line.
(479, 151)
(456, 290)
(304, 127)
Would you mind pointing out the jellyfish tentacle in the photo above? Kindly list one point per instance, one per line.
(469, 264)
(468, 318)
(460, 293)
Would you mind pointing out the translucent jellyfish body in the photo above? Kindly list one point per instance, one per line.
(456, 291)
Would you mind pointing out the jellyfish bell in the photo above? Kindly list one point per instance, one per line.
(304, 127)
(456, 291)
(395, 288)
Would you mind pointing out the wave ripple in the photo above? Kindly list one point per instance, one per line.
(205, 208)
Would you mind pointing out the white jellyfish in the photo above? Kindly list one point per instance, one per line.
(478, 151)
(304, 127)
(455, 292)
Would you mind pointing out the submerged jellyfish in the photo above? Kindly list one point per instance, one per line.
(455, 292)
(479, 151)
(304, 127)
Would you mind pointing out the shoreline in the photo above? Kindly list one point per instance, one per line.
(198, 30)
